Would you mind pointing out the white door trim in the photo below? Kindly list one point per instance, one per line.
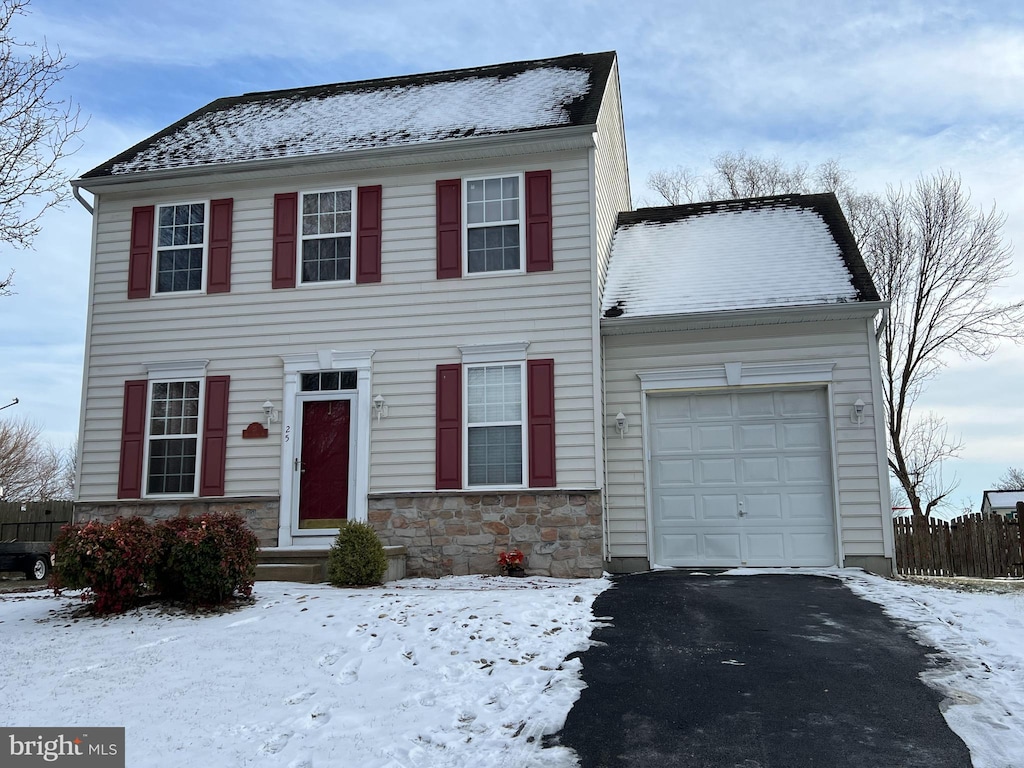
(359, 449)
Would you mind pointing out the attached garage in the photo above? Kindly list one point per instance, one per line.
(741, 478)
(742, 390)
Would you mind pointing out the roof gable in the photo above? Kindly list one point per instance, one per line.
(389, 112)
(757, 253)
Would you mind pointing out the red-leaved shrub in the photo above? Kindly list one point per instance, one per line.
(115, 562)
(206, 559)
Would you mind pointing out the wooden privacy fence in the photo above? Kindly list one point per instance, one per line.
(33, 520)
(984, 546)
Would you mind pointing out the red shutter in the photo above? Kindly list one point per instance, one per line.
(368, 231)
(449, 228)
(215, 436)
(448, 445)
(133, 438)
(219, 278)
(539, 250)
(140, 257)
(286, 222)
(540, 396)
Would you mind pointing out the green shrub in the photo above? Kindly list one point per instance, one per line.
(115, 562)
(206, 559)
(357, 557)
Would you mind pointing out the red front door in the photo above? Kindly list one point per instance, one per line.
(323, 478)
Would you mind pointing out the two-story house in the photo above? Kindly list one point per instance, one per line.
(382, 301)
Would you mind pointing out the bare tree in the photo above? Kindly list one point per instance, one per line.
(31, 469)
(1011, 480)
(37, 130)
(933, 255)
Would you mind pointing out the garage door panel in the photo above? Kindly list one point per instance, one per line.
(717, 507)
(803, 435)
(763, 506)
(760, 470)
(712, 407)
(675, 508)
(805, 469)
(715, 438)
(802, 403)
(766, 454)
(758, 437)
(669, 408)
(673, 473)
(755, 404)
(717, 471)
(721, 547)
(672, 439)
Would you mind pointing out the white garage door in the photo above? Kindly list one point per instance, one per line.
(741, 479)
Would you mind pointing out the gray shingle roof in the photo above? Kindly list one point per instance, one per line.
(389, 112)
(758, 253)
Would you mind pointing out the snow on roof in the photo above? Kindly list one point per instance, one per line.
(782, 251)
(393, 112)
(1001, 499)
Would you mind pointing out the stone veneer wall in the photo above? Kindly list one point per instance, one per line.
(449, 532)
(262, 514)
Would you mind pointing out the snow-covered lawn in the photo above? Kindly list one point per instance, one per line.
(463, 671)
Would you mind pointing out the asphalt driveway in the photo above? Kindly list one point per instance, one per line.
(773, 671)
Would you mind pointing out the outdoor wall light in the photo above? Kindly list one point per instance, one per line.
(380, 408)
(857, 414)
(270, 413)
(621, 423)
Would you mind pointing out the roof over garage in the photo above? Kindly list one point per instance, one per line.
(756, 253)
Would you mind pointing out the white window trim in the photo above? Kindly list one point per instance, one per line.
(167, 376)
(466, 227)
(300, 238)
(154, 281)
(310, 362)
(524, 431)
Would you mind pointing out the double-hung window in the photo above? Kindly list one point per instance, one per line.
(494, 424)
(326, 245)
(180, 247)
(173, 436)
(494, 224)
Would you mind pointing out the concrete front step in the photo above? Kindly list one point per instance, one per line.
(309, 565)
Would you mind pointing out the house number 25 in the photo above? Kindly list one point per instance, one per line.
(287, 433)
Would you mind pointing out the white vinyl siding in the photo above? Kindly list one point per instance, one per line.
(411, 321)
(611, 174)
(856, 459)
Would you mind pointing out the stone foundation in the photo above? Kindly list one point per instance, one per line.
(261, 514)
(453, 533)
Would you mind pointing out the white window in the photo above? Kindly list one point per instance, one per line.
(180, 247)
(493, 219)
(325, 252)
(494, 424)
(172, 427)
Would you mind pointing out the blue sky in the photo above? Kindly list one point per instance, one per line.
(890, 89)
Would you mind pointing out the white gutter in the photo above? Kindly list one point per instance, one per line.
(78, 196)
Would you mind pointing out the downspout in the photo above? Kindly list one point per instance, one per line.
(882, 325)
(605, 527)
(78, 196)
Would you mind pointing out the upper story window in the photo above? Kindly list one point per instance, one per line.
(326, 249)
(180, 247)
(493, 225)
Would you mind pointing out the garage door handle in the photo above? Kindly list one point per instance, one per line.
(742, 513)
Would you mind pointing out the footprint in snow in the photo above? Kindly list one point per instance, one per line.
(426, 699)
(373, 643)
(329, 659)
(301, 762)
(298, 698)
(318, 717)
(275, 744)
(350, 673)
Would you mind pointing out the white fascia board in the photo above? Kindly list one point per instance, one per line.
(740, 317)
(544, 140)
